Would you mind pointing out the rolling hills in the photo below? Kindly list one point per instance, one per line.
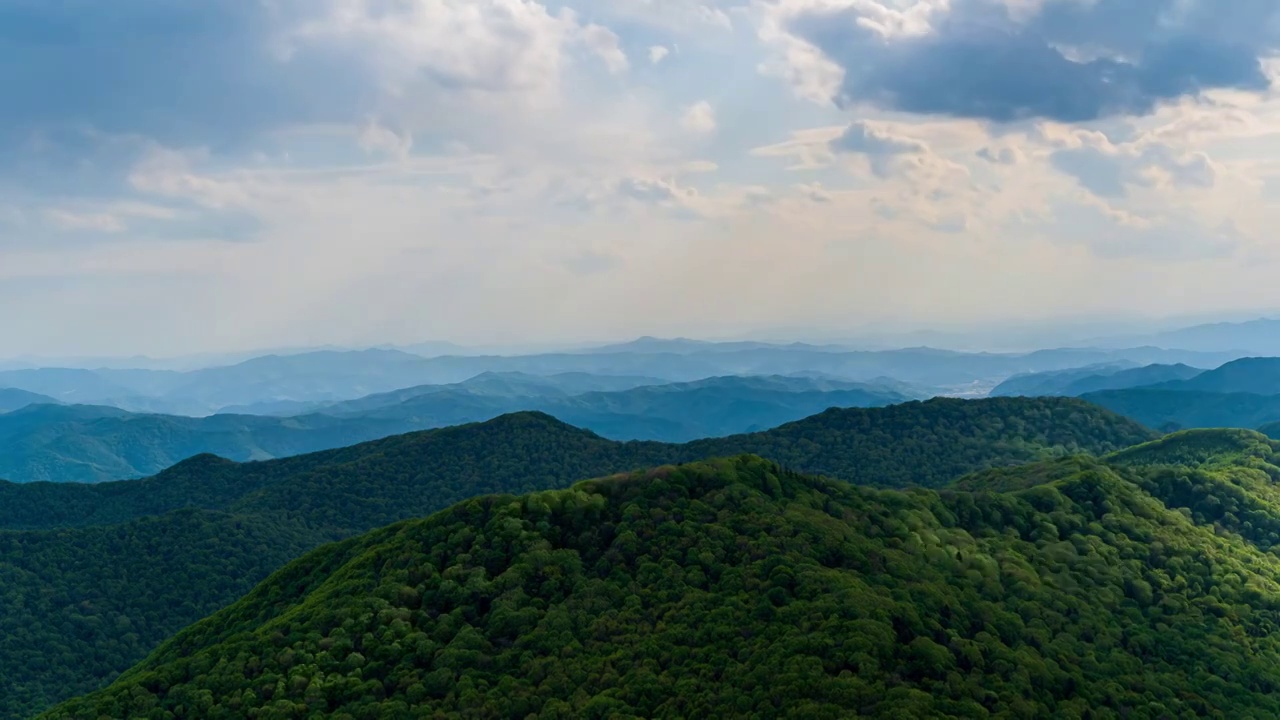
(1244, 393)
(1078, 381)
(738, 587)
(94, 443)
(79, 583)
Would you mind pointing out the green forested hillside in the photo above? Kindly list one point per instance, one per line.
(325, 496)
(738, 589)
(933, 442)
(76, 606)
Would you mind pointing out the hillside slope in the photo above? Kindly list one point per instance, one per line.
(308, 500)
(736, 587)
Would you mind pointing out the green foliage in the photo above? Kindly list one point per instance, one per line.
(738, 589)
(78, 605)
(299, 503)
(931, 443)
(1199, 447)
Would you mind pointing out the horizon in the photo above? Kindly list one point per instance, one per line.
(960, 342)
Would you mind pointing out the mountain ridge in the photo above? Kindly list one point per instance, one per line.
(589, 601)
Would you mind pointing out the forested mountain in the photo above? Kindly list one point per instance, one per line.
(1259, 376)
(1243, 393)
(1177, 409)
(1078, 381)
(81, 604)
(11, 399)
(87, 443)
(96, 443)
(738, 587)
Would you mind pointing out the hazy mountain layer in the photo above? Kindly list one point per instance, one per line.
(290, 383)
(94, 443)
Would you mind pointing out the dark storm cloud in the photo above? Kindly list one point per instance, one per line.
(1070, 60)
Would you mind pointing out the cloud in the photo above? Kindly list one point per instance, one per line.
(376, 138)
(1066, 60)
(1108, 170)
(97, 222)
(699, 118)
(883, 149)
(1005, 155)
(1116, 234)
(221, 74)
(657, 53)
(604, 43)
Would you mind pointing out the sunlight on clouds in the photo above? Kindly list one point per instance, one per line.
(509, 170)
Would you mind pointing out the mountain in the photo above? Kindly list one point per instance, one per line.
(1256, 337)
(12, 399)
(1053, 382)
(85, 595)
(489, 384)
(1178, 409)
(84, 443)
(919, 443)
(295, 383)
(738, 587)
(1271, 430)
(675, 412)
(94, 443)
(1078, 381)
(1259, 376)
(1131, 378)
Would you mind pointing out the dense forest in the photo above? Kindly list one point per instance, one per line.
(81, 592)
(738, 588)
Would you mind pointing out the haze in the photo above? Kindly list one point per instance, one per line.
(231, 174)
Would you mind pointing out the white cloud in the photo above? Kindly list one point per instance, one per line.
(97, 222)
(699, 117)
(375, 138)
(657, 53)
(604, 43)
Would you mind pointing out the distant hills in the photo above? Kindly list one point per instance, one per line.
(95, 576)
(291, 383)
(1260, 337)
(1243, 393)
(1141, 584)
(1092, 378)
(78, 443)
(12, 399)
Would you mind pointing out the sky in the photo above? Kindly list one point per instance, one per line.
(180, 177)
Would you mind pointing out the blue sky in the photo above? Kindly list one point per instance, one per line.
(222, 174)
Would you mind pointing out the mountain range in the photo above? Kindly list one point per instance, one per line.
(1135, 584)
(1242, 393)
(79, 443)
(95, 576)
(289, 383)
